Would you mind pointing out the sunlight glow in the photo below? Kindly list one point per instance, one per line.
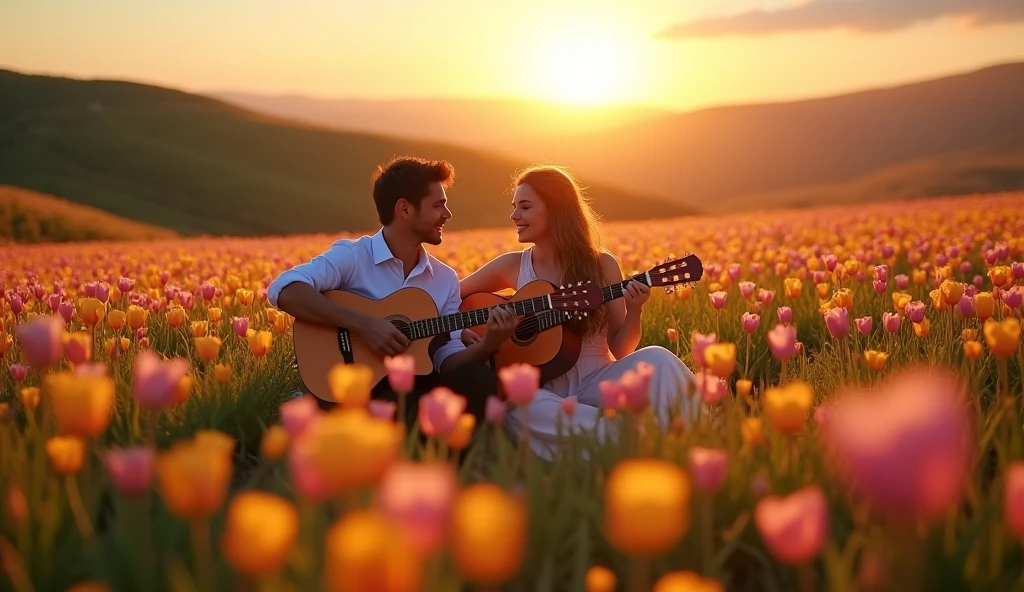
(584, 71)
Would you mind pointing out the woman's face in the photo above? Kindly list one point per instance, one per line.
(529, 214)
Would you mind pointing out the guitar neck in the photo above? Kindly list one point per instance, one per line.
(614, 291)
(458, 321)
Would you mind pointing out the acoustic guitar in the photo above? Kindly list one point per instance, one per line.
(540, 338)
(318, 347)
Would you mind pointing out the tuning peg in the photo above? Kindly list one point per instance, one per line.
(561, 287)
(669, 289)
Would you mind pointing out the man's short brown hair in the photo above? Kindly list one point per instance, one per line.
(407, 177)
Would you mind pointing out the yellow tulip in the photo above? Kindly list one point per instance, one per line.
(786, 408)
(875, 359)
(972, 349)
(843, 299)
(752, 431)
(922, 328)
(193, 479)
(486, 517)
(938, 300)
(260, 531)
(200, 328)
(214, 314)
(920, 277)
(108, 345)
(720, 359)
(66, 454)
(952, 292)
(91, 311)
(222, 372)
(29, 396)
(350, 384)
(371, 446)
(1002, 338)
(207, 348)
(137, 317)
(116, 319)
(365, 550)
(999, 275)
(647, 506)
(984, 305)
(176, 316)
(792, 287)
(259, 342)
(81, 404)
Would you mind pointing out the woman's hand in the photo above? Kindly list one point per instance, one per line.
(635, 295)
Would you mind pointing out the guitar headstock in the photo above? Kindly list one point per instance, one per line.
(674, 272)
(577, 298)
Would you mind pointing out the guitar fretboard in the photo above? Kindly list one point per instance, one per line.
(458, 321)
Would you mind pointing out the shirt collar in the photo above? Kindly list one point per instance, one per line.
(382, 253)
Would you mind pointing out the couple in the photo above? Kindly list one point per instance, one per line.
(550, 212)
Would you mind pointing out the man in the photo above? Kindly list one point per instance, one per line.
(409, 194)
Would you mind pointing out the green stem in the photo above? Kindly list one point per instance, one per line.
(202, 554)
(78, 507)
(640, 575)
(12, 563)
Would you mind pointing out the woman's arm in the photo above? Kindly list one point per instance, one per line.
(624, 314)
(496, 275)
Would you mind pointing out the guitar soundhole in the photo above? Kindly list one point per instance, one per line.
(402, 323)
(526, 330)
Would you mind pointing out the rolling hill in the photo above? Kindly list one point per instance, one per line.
(716, 158)
(31, 217)
(197, 165)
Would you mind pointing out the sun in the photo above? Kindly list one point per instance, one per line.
(583, 71)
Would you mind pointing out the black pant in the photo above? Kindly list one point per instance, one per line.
(474, 380)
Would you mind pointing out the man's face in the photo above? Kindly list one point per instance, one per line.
(432, 215)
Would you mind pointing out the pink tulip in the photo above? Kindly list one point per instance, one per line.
(1013, 498)
(207, 291)
(712, 388)
(882, 273)
(887, 251)
(635, 384)
(978, 281)
(17, 304)
(747, 289)
(991, 256)
(785, 315)
(439, 412)
(837, 320)
(970, 290)
(240, 325)
(755, 268)
(53, 302)
(569, 406)
(18, 372)
(698, 342)
(90, 290)
(495, 410)
(734, 271)
(915, 311)
(41, 341)
(902, 281)
(520, 382)
(906, 449)
(401, 372)
(709, 468)
(965, 267)
(830, 262)
(966, 307)
(306, 479)
(130, 470)
(66, 310)
(103, 292)
(298, 414)
(382, 409)
(794, 527)
(879, 287)
(155, 381)
(718, 299)
(750, 322)
(818, 276)
(782, 341)
(419, 497)
(125, 284)
(612, 396)
(1014, 298)
(1017, 269)
(765, 296)
(864, 325)
(891, 322)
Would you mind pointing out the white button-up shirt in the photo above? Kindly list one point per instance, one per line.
(367, 267)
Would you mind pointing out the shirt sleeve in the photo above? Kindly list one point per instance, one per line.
(330, 270)
(451, 306)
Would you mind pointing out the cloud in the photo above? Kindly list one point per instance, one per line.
(866, 16)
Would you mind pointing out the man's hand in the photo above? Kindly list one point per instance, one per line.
(469, 337)
(382, 337)
(501, 325)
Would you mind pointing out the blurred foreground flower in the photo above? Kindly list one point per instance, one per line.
(647, 506)
(419, 497)
(794, 527)
(366, 551)
(260, 531)
(486, 517)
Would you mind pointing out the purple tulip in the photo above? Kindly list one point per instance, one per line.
(838, 322)
(891, 322)
(902, 281)
(864, 325)
(785, 315)
(750, 322)
(915, 311)
(966, 307)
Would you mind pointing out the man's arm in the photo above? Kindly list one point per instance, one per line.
(297, 291)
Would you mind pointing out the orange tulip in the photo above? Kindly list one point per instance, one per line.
(486, 517)
(81, 404)
(647, 506)
(66, 454)
(365, 550)
(260, 531)
(786, 407)
(1002, 338)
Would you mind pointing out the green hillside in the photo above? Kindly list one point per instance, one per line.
(200, 166)
(30, 217)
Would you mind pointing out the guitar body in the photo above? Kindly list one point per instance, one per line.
(319, 347)
(554, 350)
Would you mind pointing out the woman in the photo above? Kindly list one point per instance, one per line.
(550, 211)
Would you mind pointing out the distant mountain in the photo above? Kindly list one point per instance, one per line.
(198, 165)
(31, 217)
(505, 126)
(994, 168)
(716, 158)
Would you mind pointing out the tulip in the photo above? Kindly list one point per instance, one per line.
(765, 296)
(130, 470)
(984, 305)
(207, 348)
(966, 307)
(921, 329)
(298, 414)
(240, 325)
(137, 317)
(747, 289)
(879, 287)
(647, 506)
(718, 299)
(635, 387)
(365, 550)
(902, 281)
(260, 531)
(495, 410)
(274, 442)
(875, 359)
(66, 454)
(193, 479)
(463, 433)
(371, 446)
(439, 411)
(792, 287)
(381, 409)
(720, 359)
(750, 322)
(156, 383)
(711, 387)
(671, 335)
(520, 382)
(569, 406)
(18, 372)
(686, 581)
(117, 319)
(401, 372)
(786, 407)
(1002, 338)
(698, 343)
(794, 527)
(350, 384)
(600, 579)
(1013, 498)
(91, 311)
(1014, 298)
(81, 404)
(485, 517)
(259, 342)
(419, 498)
(864, 325)
(709, 468)
(915, 311)
(891, 322)
(782, 341)
(41, 341)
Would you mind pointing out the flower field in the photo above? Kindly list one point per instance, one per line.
(861, 426)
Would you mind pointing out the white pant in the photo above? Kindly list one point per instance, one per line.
(672, 388)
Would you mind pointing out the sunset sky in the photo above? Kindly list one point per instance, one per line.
(679, 54)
